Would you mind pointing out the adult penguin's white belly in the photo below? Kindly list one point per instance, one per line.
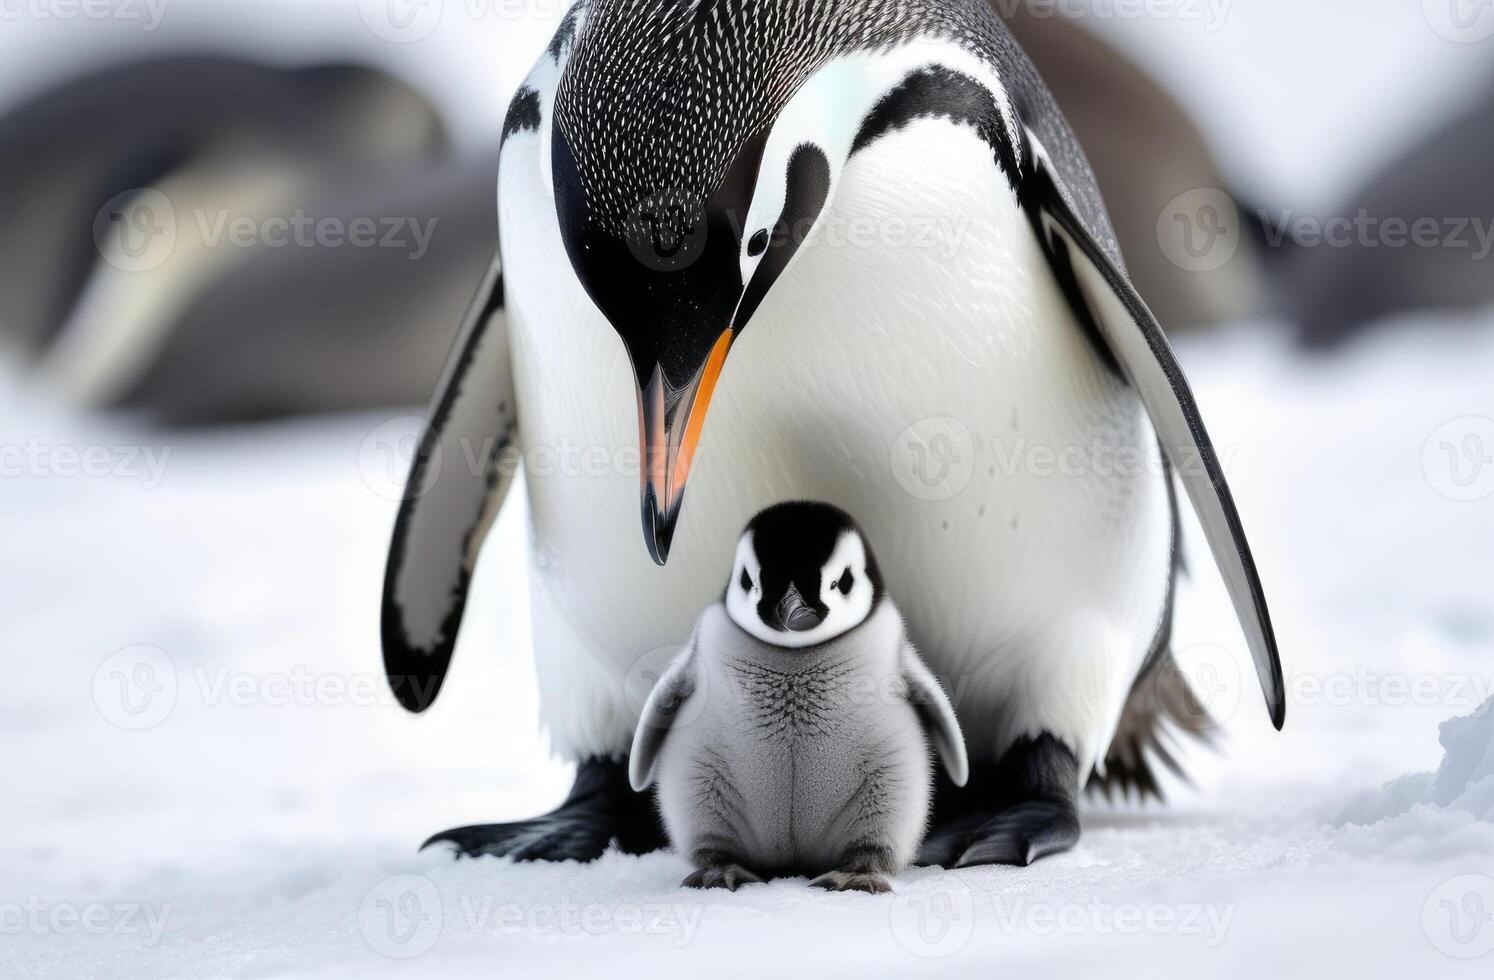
(920, 335)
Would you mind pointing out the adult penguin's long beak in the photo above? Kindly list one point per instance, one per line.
(670, 423)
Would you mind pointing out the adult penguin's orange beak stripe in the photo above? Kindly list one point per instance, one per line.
(670, 424)
(668, 276)
(672, 420)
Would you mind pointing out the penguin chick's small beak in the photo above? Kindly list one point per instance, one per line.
(793, 615)
(670, 422)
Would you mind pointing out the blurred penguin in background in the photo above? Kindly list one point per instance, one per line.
(296, 330)
(123, 280)
(1337, 290)
(1146, 152)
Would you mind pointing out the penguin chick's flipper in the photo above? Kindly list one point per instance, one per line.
(659, 712)
(600, 809)
(1032, 811)
(462, 471)
(937, 715)
(1103, 296)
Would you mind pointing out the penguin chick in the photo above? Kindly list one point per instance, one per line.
(790, 737)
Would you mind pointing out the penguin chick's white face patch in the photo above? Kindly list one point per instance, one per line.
(786, 611)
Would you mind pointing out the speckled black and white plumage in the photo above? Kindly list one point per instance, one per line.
(663, 94)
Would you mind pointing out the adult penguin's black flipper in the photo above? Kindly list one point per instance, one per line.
(461, 473)
(1109, 302)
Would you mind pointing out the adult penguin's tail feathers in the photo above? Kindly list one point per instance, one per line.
(1161, 714)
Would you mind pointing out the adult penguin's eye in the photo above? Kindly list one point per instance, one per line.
(845, 583)
(746, 581)
(759, 243)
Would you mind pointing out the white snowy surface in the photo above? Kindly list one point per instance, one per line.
(265, 824)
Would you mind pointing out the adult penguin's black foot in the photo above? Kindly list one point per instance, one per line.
(1022, 809)
(601, 808)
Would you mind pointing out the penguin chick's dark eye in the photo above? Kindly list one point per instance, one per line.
(746, 581)
(845, 583)
(759, 243)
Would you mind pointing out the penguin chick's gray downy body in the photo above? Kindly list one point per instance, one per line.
(849, 251)
(789, 736)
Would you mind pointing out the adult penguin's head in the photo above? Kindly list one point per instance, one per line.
(684, 194)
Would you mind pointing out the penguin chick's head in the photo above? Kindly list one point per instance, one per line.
(803, 575)
(684, 188)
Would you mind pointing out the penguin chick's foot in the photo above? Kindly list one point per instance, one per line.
(600, 809)
(1034, 814)
(728, 876)
(852, 881)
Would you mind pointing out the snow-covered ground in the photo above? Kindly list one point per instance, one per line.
(205, 777)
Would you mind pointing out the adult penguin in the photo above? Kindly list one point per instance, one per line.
(859, 236)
